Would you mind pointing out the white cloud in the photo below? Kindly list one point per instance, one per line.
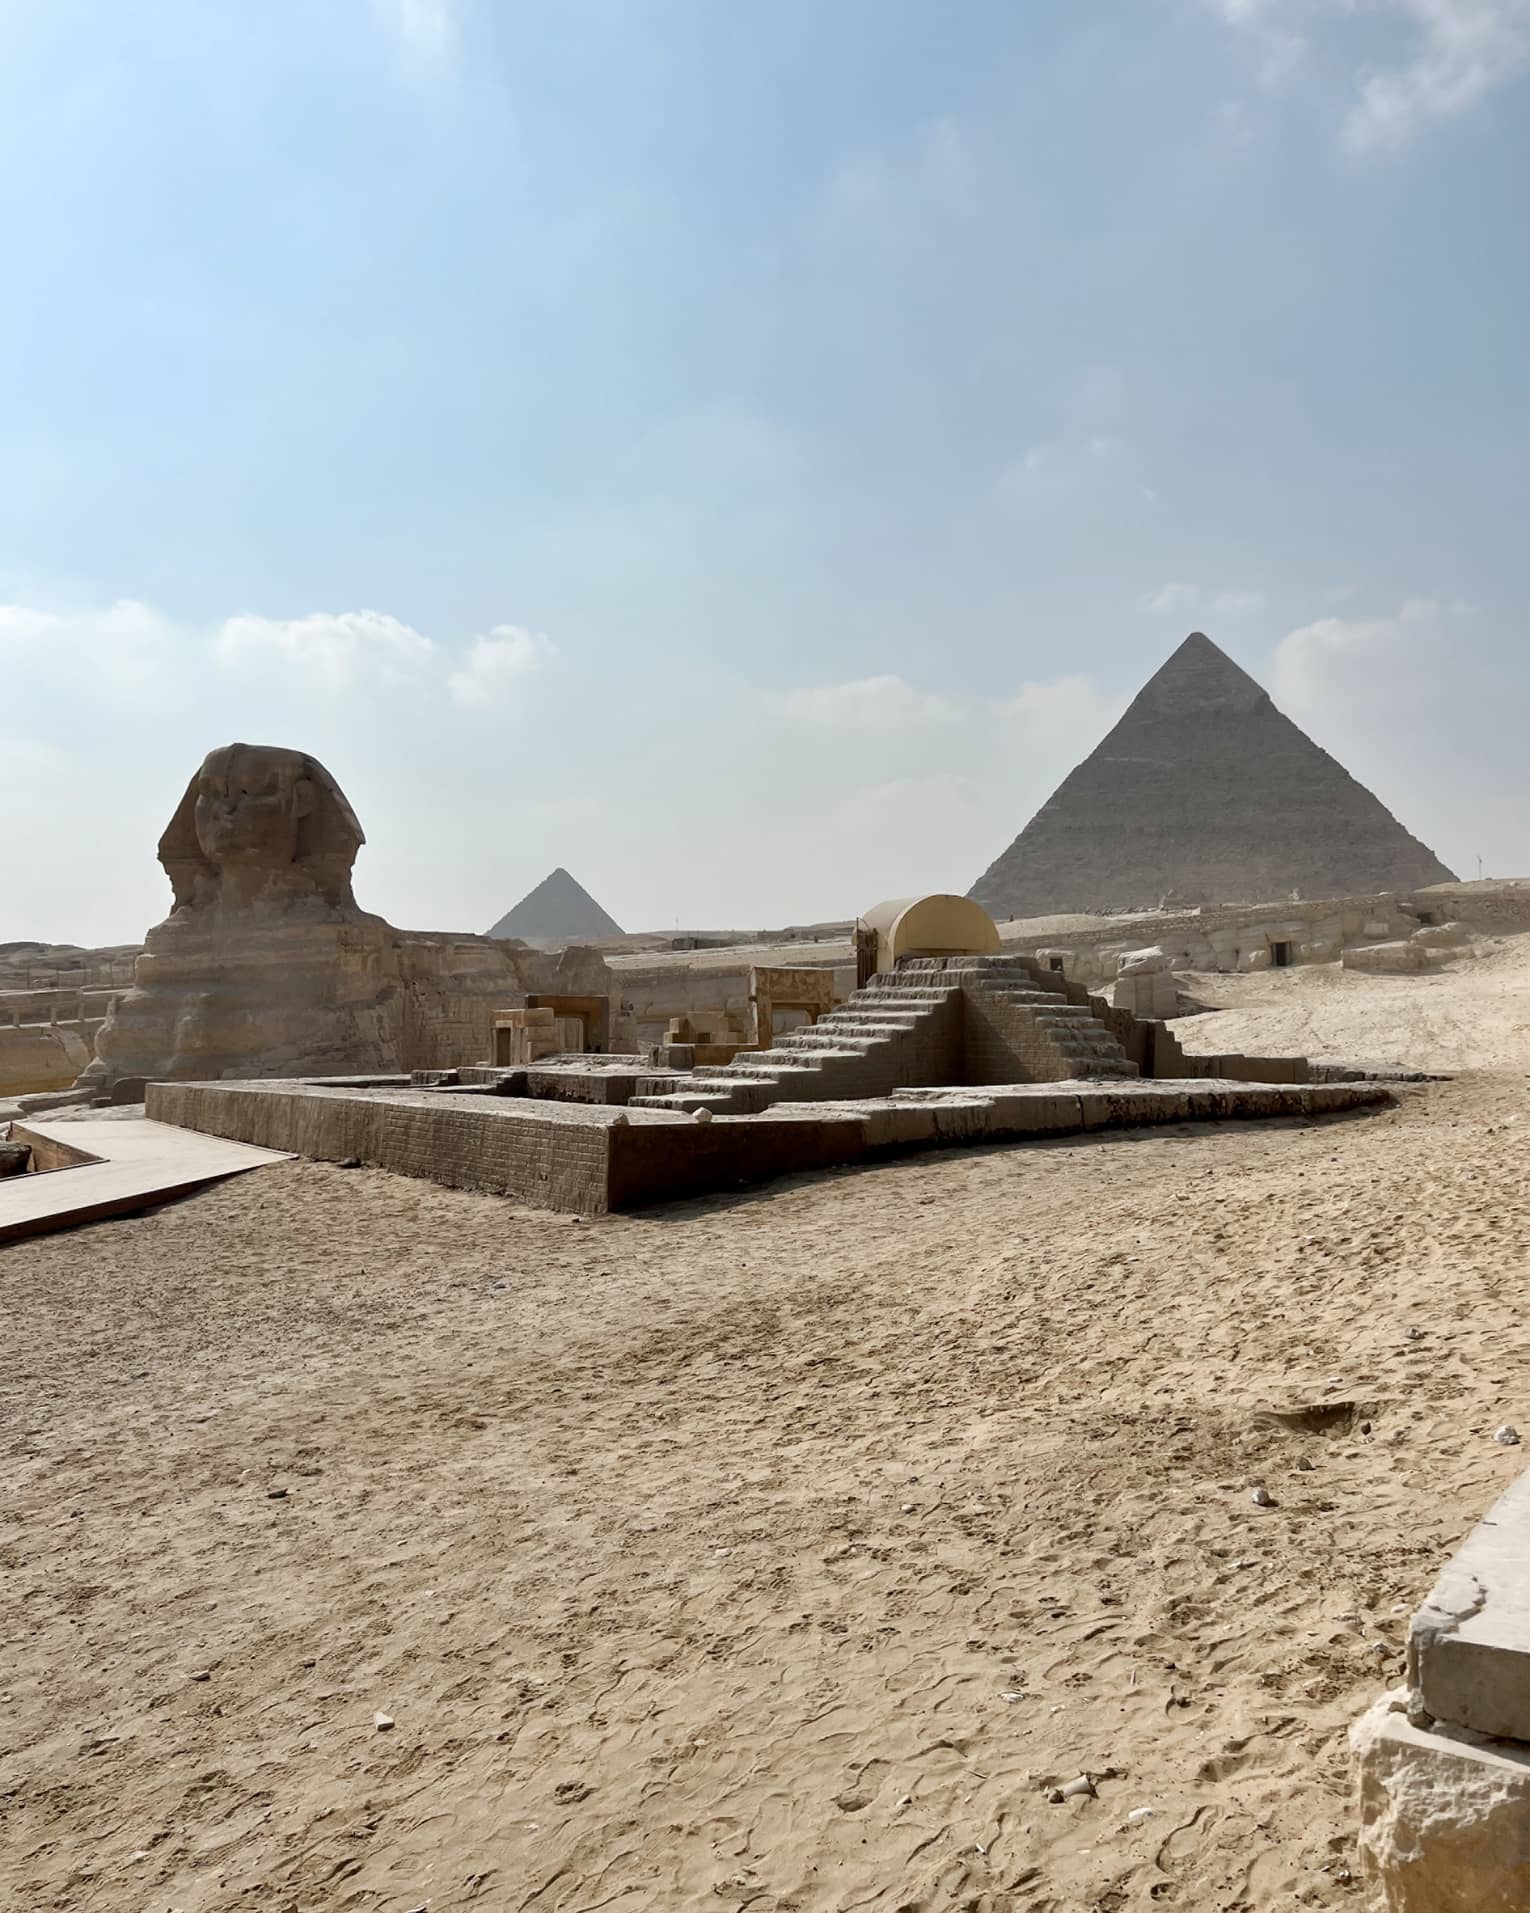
(126, 622)
(1368, 660)
(426, 29)
(937, 170)
(1175, 597)
(497, 666)
(1459, 51)
(1044, 476)
(134, 651)
(881, 704)
(1279, 49)
(121, 649)
(1060, 714)
(330, 651)
(1465, 49)
(1191, 601)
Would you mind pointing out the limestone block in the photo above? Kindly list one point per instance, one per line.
(1444, 1815)
(1147, 962)
(1046, 1113)
(40, 1056)
(1442, 936)
(1469, 1647)
(1388, 959)
(892, 1125)
(964, 1121)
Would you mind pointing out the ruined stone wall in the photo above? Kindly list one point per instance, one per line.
(1005, 1043)
(1495, 908)
(655, 992)
(36, 1057)
(549, 1158)
(1223, 939)
(47, 1037)
(448, 990)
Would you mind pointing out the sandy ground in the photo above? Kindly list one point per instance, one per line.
(773, 1553)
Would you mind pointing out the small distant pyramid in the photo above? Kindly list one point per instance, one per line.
(1203, 793)
(560, 908)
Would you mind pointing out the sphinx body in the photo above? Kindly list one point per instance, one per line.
(267, 967)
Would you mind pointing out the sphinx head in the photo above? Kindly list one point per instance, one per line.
(260, 821)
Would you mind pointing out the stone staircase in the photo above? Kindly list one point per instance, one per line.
(904, 1030)
(890, 1034)
(1058, 1040)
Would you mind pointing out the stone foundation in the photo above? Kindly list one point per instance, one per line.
(1442, 1767)
(1444, 1815)
(591, 1159)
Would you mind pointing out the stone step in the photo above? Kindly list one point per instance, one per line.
(870, 999)
(774, 1059)
(795, 1068)
(857, 1027)
(887, 1021)
(862, 1043)
(679, 1106)
(900, 1006)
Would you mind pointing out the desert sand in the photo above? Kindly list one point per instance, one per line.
(1474, 1014)
(782, 1552)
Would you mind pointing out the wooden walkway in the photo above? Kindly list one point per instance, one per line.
(138, 1163)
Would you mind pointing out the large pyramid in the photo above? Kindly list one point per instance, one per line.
(559, 907)
(1203, 793)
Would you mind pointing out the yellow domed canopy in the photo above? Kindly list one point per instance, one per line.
(931, 926)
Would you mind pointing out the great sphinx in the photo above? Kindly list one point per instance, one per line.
(261, 828)
(266, 966)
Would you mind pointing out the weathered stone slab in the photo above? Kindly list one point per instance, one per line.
(1388, 959)
(1444, 1816)
(589, 1158)
(1469, 1650)
(892, 1125)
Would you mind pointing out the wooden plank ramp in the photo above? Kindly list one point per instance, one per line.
(131, 1164)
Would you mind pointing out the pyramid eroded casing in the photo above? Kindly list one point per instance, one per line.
(1203, 793)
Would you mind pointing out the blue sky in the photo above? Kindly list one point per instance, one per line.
(745, 452)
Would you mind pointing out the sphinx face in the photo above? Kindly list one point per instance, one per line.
(250, 801)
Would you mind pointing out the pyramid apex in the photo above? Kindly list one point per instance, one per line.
(559, 906)
(1199, 675)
